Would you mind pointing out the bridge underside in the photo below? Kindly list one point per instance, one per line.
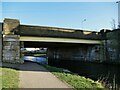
(57, 51)
(29, 44)
(58, 48)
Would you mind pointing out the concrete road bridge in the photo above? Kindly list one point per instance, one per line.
(62, 43)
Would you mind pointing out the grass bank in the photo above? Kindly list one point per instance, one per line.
(73, 79)
(39, 54)
(9, 78)
(0, 78)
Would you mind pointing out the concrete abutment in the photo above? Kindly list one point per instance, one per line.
(81, 53)
(11, 43)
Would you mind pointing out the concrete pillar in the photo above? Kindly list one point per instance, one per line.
(11, 48)
(11, 43)
(21, 52)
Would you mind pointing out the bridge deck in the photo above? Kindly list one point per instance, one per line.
(61, 40)
(43, 31)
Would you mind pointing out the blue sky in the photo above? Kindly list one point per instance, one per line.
(98, 15)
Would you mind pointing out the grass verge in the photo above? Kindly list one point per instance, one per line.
(39, 54)
(0, 78)
(9, 78)
(73, 79)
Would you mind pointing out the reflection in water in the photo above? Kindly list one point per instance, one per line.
(92, 70)
(36, 59)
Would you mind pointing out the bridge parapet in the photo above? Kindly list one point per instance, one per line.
(42, 31)
(10, 26)
(13, 26)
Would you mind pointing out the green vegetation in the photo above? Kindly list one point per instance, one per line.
(0, 78)
(73, 79)
(39, 54)
(9, 78)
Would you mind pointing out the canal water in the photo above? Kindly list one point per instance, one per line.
(36, 59)
(103, 72)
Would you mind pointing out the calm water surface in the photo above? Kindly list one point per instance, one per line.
(94, 71)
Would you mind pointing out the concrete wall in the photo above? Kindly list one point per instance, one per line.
(82, 53)
(113, 46)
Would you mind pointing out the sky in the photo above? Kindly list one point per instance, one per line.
(98, 15)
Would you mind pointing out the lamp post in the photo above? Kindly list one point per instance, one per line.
(82, 23)
(118, 14)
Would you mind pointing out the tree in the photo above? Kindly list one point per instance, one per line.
(119, 25)
(113, 23)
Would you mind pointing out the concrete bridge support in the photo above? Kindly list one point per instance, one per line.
(11, 43)
(21, 51)
(82, 53)
(11, 48)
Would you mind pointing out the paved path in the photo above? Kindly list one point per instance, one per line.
(33, 75)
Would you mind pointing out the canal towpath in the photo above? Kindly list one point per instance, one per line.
(33, 75)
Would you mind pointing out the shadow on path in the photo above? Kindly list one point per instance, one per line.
(32, 66)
